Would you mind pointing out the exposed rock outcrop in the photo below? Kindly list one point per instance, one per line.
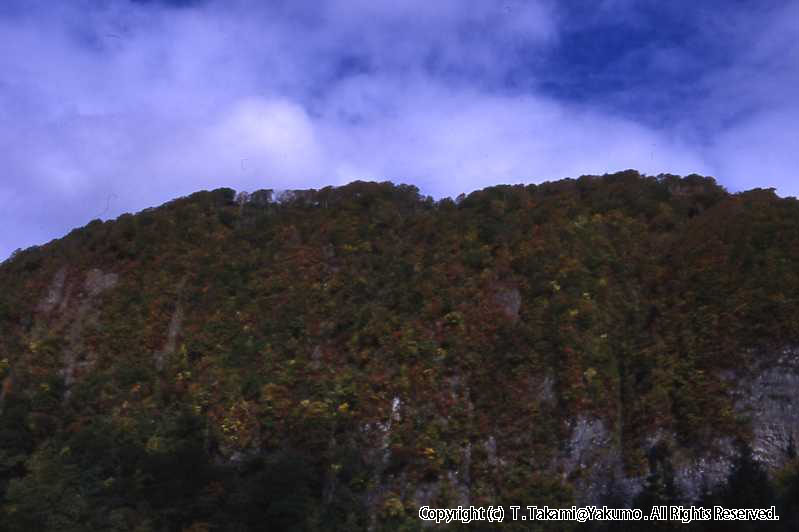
(76, 356)
(592, 461)
(67, 308)
(770, 400)
(175, 323)
(509, 301)
(55, 292)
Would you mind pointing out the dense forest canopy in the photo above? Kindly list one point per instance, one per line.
(227, 361)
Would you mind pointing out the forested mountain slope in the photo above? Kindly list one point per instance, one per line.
(333, 359)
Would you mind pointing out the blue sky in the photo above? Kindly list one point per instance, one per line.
(113, 106)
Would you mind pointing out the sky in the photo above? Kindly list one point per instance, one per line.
(113, 106)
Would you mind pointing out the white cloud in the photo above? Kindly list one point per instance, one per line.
(453, 140)
(125, 106)
(761, 151)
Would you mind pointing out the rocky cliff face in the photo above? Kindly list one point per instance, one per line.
(769, 397)
(590, 457)
(66, 310)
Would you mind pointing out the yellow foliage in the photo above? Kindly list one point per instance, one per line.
(154, 444)
(314, 408)
(393, 507)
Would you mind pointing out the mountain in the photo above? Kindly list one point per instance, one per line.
(334, 359)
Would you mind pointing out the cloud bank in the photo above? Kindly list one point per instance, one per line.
(114, 106)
